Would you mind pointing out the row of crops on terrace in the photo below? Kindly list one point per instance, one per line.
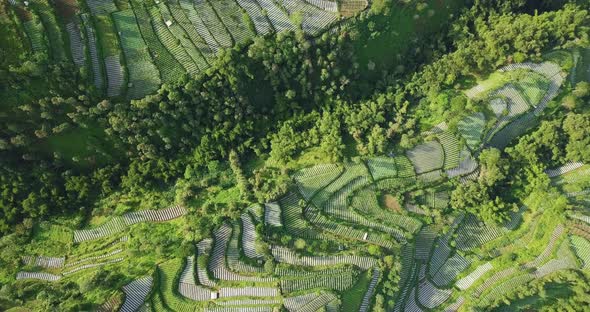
(309, 248)
(129, 48)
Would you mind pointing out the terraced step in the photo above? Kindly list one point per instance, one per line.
(44, 262)
(52, 29)
(472, 277)
(427, 157)
(213, 24)
(338, 282)
(430, 296)
(231, 15)
(183, 17)
(152, 32)
(203, 249)
(114, 72)
(227, 292)
(313, 179)
(272, 214)
(450, 146)
(101, 7)
(261, 22)
(187, 285)
(217, 264)
(93, 258)
(118, 224)
(249, 238)
(234, 262)
(278, 18)
(34, 30)
(135, 294)
(370, 291)
(199, 25)
(95, 59)
(568, 167)
(77, 46)
(179, 48)
(450, 270)
(314, 20)
(285, 255)
(92, 265)
(424, 242)
(38, 276)
(308, 302)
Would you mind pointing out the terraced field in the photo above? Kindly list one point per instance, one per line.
(339, 224)
(128, 48)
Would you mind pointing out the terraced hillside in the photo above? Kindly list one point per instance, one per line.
(131, 47)
(345, 232)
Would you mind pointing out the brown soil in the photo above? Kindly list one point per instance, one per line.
(349, 8)
(23, 14)
(391, 203)
(66, 8)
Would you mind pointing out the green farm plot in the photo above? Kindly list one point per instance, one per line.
(404, 166)
(451, 147)
(311, 180)
(183, 38)
(35, 31)
(563, 58)
(172, 43)
(351, 172)
(157, 302)
(513, 130)
(231, 15)
(50, 239)
(199, 26)
(293, 218)
(52, 29)
(382, 167)
(474, 233)
(533, 87)
(313, 19)
(581, 247)
(144, 77)
(192, 35)
(365, 202)
(169, 67)
(168, 285)
(339, 282)
(498, 291)
(427, 156)
(353, 297)
(337, 223)
(575, 181)
(212, 22)
(107, 35)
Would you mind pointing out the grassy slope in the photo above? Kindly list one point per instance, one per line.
(352, 298)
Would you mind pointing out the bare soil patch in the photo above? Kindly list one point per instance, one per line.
(391, 203)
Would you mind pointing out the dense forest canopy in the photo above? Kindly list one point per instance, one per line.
(239, 131)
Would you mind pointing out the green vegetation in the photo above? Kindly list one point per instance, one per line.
(305, 155)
